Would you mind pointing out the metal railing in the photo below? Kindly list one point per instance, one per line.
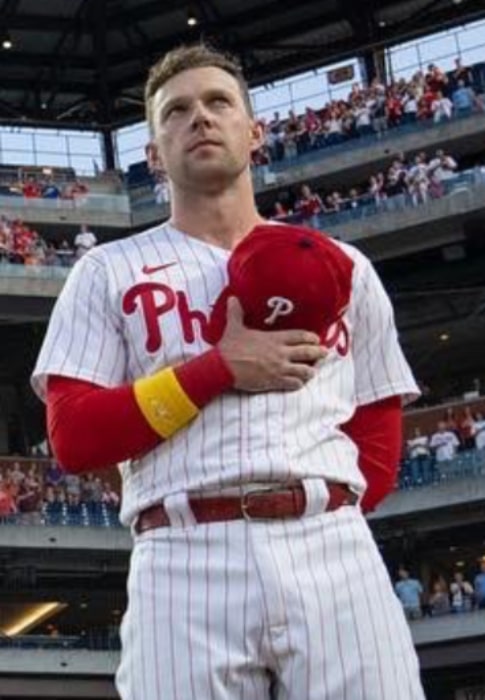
(91, 202)
(427, 471)
(56, 514)
(40, 272)
(92, 640)
(365, 206)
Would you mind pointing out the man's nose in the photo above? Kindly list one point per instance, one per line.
(201, 116)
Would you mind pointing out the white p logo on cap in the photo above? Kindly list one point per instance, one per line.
(281, 306)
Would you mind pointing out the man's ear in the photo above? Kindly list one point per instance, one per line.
(256, 135)
(155, 163)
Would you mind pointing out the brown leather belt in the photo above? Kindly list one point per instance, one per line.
(257, 504)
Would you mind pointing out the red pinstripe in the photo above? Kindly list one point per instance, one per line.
(334, 618)
(321, 619)
(370, 616)
(360, 653)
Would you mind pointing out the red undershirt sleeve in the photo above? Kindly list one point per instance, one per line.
(91, 427)
(376, 429)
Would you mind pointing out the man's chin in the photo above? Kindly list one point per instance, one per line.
(211, 176)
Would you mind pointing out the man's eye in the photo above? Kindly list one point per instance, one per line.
(219, 99)
(175, 109)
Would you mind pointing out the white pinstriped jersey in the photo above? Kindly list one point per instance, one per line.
(136, 305)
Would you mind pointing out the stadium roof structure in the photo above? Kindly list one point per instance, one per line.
(83, 63)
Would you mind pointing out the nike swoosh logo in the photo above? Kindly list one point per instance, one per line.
(150, 270)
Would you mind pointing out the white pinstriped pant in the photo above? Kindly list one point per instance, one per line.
(222, 611)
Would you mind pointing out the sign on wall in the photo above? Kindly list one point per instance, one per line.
(341, 74)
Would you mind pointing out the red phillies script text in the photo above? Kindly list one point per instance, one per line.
(154, 300)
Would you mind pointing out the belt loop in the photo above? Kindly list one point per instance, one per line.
(317, 496)
(178, 510)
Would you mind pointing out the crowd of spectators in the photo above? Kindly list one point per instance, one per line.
(429, 455)
(44, 186)
(453, 595)
(429, 96)
(22, 245)
(407, 182)
(19, 243)
(46, 496)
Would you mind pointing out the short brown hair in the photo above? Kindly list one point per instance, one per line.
(187, 57)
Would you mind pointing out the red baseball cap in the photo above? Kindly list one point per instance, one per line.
(286, 277)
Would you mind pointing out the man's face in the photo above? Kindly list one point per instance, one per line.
(203, 134)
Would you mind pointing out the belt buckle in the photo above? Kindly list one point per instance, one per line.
(353, 497)
(245, 498)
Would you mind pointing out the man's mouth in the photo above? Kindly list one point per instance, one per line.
(204, 142)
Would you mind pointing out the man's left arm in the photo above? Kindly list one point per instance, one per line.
(376, 430)
(382, 378)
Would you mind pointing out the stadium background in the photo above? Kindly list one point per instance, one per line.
(71, 79)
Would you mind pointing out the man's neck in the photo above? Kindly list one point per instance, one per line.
(221, 220)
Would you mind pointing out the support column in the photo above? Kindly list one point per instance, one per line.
(109, 157)
(373, 65)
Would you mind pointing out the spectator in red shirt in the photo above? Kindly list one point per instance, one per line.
(466, 429)
(31, 189)
(436, 79)
(78, 192)
(425, 102)
(309, 206)
(7, 500)
(23, 240)
(393, 109)
(314, 128)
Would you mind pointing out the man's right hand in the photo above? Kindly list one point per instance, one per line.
(267, 360)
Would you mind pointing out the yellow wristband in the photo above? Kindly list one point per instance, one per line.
(163, 402)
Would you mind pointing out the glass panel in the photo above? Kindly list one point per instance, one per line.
(18, 157)
(52, 143)
(339, 92)
(17, 141)
(472, 35)
(133, 137)
(59, 160)
(311, 86)
(314, 102)
(134, 155)
(84, 165)
(471, 56)
(440, 47)
(404, 59)
(273, 98)
(89, 145)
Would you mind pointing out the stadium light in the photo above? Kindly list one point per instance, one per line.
(33, 616)
(7, 42)
(192, 20)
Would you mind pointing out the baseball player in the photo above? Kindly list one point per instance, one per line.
(245, 451)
